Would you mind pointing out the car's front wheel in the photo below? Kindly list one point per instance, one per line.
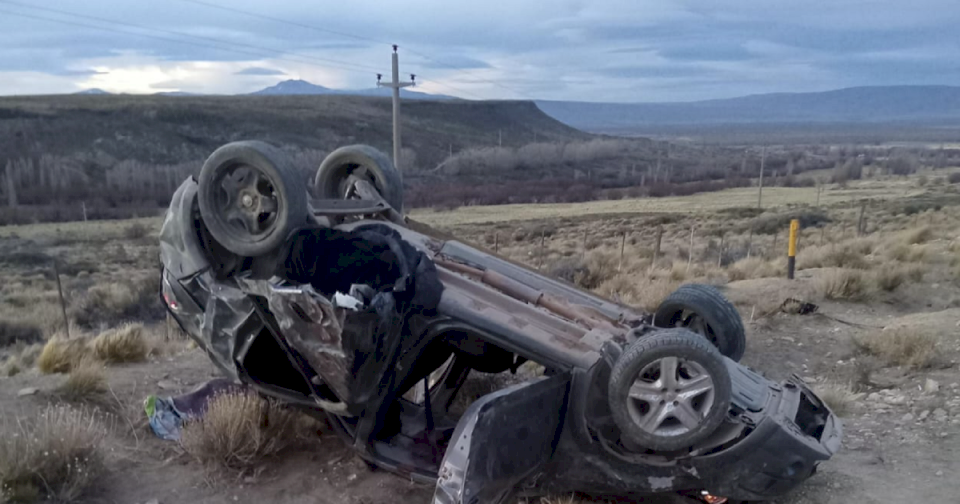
(250, 197)
(669, 391)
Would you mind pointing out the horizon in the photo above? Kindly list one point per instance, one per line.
(345, 92)
(611, 51)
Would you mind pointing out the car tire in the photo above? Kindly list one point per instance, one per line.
(669, 412)
(251, 197)
(362, 160)
(703, 310)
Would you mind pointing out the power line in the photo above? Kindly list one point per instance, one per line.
(464, 70)
(188, 35)
(167, 39)
(353, 36)
(286, 21)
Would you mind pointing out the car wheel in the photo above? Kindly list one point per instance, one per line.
(250, 197)
(669, 390)
(703, 310)
(332, 179)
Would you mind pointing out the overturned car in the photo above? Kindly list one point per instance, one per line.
(327, 298)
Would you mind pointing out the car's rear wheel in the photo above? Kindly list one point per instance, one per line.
(669, 391)
(333, 179)
(250, 197)
(703, 310)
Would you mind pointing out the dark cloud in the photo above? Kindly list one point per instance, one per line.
(259, 71)
(575, 49)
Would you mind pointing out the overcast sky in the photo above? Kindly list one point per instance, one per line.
(599, 50)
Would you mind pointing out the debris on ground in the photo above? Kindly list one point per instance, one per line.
(168, 414)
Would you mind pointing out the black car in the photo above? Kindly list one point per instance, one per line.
(324, 296)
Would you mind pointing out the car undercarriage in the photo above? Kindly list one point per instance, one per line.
(332, 301)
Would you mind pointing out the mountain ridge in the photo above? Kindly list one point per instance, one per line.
(862, 104)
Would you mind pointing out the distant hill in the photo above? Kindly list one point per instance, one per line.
(302, 87)
(851, 105)
(92, 91)
(161, 130)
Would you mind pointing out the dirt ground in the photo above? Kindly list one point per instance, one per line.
(902, 425)
(885, 457)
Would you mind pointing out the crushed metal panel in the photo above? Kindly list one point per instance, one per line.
(502, 439)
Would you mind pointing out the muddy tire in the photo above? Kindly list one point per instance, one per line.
(703, 310)
(331, 181)
(669, 391)
(250, 197)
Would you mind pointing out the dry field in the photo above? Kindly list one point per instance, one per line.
(882, 348)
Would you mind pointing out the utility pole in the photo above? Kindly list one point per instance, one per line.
(396, 85)
(763, 159)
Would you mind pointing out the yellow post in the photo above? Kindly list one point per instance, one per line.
(792, 248)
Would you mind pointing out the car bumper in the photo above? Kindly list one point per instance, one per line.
(796, 434)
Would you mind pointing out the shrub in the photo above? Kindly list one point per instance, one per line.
(87, 379)
(135, 231)
(910, 347)
(57, 455)
(60, 355)
(954, 178)
(780, 223)
(920, 235)
(644, 293)
(839, 397)
(106, 304)
(15, 331)
(123, 344)
(753, 267)
(888, 279)
(843, 284)
(238, 430)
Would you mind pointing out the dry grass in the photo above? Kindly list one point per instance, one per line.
(910, 347)
(845, 285)
(641, 292)
(839, 397)
(60, 355)
(110, 303)
(888, 279)
(238, 431)
(919, 235)
(123, 344)
(85, 381)
(844, 255)
(57, 455)
(753, 267)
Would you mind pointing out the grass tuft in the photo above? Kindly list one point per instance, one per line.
(238, 431)
(910, 347)
(123, 344)
(842, 284)
(839, 397)
(86, 380)
(60, 355)
(57, 455)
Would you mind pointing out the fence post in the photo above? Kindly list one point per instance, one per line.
(583, 246)
(83, 205)
(690, 254)
(720, 254)
(63, 304)
(540, 260)
(863, 208)
(623, 244)
(656, 248)
(792, 248)
(750, 242)
(496, 242)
